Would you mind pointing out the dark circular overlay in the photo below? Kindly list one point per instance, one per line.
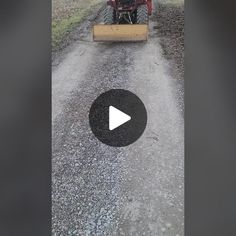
(126, 102)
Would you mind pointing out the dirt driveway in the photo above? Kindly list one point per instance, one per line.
(100, 190)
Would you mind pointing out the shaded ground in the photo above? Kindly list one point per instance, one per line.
(170, 20)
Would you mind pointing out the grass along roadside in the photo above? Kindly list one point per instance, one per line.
(64, 24)
(175, 3)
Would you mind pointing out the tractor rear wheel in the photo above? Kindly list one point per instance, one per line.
(109, 15)
(142, 14)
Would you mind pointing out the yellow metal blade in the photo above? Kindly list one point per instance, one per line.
(120, 33)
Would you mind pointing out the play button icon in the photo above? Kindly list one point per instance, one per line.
(118, 118)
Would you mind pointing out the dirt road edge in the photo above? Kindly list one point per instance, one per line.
(62, 31)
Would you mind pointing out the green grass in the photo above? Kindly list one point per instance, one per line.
(173, 2)
(60, 29)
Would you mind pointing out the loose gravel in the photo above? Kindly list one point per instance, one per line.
(170, 20)
(100, 190)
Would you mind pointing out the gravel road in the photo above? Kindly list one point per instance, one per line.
(102, 190)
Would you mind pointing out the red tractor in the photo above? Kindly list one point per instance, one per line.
(127, 11)
(125, 21)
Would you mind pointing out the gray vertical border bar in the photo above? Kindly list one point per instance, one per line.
(210, 115)
(25, 120)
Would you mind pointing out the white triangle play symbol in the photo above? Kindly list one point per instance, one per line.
(117, 118)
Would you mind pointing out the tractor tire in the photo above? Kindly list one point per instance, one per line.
(109, 15)
(142, 14)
